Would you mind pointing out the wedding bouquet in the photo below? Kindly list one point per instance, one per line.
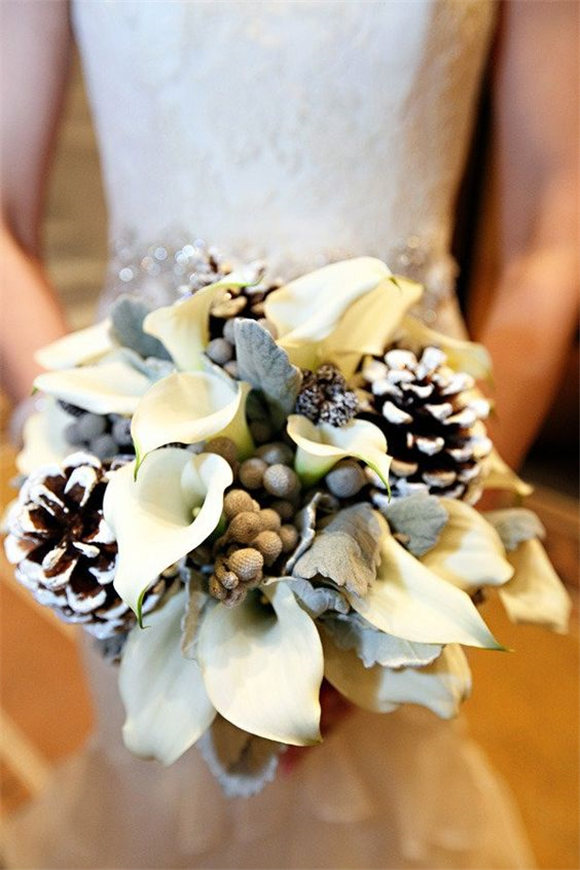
(261, 486)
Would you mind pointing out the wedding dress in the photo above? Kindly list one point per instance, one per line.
(302, 132)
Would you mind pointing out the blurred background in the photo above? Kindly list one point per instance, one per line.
(524, 710)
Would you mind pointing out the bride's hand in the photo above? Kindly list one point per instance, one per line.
(335, 708)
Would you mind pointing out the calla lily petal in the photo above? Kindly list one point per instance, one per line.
(113, 387)
(263, 666)
(184, 327)
(309, 308)
(155, 519)
(469, 552)
(411, 602)
(44, 439)
(462, 355)
(498, 475)
(535, 595)
(79, 348)
(185, 407)
(441, 686)
(322, 446)
(369, 323)
(165, 699)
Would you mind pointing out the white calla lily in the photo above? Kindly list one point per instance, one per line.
(441, 686)
(342, 310)
(498, 475)
(536, 594)
(309, 308)
(263, 666)
(184, 327)
(166, 704)
(79, 348)
(469, 552)
(462, 355)
(321, 446)
(173, 506)
(112, 387)
(411, 602)
(186, 407)
(44, 438)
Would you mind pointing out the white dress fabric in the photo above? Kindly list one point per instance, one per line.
(301, 132)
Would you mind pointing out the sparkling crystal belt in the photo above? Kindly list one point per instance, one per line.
(159, 269)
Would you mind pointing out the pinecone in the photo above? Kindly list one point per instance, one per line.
(324, 397)
(238, 302)
(64, 551)
(432, 421)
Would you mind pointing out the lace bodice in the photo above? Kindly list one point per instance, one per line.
(297, 131)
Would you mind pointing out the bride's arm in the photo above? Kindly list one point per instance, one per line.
(34, 51)
(525, 293)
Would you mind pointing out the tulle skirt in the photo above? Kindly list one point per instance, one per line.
(398, 790)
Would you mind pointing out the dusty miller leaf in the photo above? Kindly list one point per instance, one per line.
(515, 525)
(266, 367)
(316, 600)
(242, 763)
(346, 550)
(420, 517)
(375, 647)
(305, 522)
(197, 602)
(127, 316)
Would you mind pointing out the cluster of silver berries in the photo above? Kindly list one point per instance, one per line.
(102, 435)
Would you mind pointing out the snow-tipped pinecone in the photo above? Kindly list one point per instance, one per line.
(238, 302)
(324, 397)
(259, 528)
(64, 551)
(102, 435)
(432, 420)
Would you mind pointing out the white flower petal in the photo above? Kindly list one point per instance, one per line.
(80, 347)
(469, 552)
(44, 440)
(441, 686)
(184, 327)
(411, 602)
(263, 666)
(463, 356)
(535, 595)
(369, 323)
(165, 699)
(152, 518)
(185, 407)
(309, 308)
(321, 446)
(109, 388)
(498, 475)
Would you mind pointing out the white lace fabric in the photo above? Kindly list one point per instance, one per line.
(301, 132)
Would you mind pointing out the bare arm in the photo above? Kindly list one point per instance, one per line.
(529, 249)
(34, 51)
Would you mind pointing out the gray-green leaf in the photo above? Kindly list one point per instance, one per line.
(127, 316)
(375, 647)
(515, 525)
(316, 600)
(266, 367)
(241, 762)
(305, 522)
(420, 517)
(346, 550)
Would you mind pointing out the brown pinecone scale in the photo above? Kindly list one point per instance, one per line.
(64, 551)
(432, 419)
